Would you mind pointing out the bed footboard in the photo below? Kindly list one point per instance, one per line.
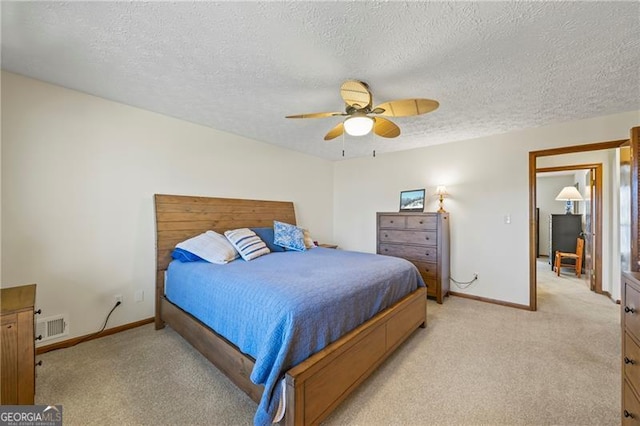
(317, 385)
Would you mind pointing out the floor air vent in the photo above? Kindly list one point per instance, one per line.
(52, 327)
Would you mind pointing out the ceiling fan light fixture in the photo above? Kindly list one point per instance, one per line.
(359, 125)
(358, 105)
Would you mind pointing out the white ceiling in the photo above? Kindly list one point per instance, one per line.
(242, 66)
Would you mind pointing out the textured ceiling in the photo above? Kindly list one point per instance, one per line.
(242, 66)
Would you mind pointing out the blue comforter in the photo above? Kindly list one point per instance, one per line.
(283, 307)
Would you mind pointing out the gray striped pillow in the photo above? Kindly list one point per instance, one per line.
(248, 244)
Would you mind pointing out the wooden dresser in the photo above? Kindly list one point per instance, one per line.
(422, 238)
(18, 345)
(630, 348)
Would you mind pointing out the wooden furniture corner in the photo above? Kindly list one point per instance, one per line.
(630, 312)
(17, 341)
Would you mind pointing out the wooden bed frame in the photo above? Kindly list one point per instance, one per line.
(316, 386)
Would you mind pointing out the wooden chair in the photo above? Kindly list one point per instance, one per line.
(577, 257)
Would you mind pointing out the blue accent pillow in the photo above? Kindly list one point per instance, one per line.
(267, 235)
(184, 256)
(288, 236)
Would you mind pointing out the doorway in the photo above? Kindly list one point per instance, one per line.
(590, 218)
(533, 162)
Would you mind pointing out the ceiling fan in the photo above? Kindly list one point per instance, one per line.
(359, 111)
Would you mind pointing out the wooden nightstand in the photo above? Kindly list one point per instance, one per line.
(18, 345)
(332, 246)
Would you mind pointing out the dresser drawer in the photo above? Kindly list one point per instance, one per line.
(421, 254)
(427, 270)
(432, 289)
(412, 237)
(630, 407)
(631, 362)
(422, 222)
(631, 310)
(395, 222)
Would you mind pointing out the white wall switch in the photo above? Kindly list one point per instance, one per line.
(139, 296)
(507, 219)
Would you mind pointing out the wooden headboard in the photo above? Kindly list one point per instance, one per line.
(180, 217)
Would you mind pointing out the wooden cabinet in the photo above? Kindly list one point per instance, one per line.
(564, 230)
(18, 345)
(630, 306)
(423, 239)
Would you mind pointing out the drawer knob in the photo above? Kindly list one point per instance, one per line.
(628, 361)
(38, 312)
(426, 238)
(426, 254)
(391, 221)
(386, 249)
(629, 310)
(628, 414)
(421, 222)
(386, 236)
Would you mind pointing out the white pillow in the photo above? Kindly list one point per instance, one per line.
(247, 243)
(210, 246)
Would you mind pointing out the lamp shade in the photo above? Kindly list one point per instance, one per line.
(358, 125)
(441, 190)
(569, 193)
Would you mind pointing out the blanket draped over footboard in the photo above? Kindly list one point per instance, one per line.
(283, 307)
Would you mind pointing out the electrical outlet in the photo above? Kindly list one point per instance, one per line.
(139, 296)
(118, 298)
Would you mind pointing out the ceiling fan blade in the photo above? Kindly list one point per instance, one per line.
(385, 128)
(407, 107)
(335, 132)
(316, 115)
(356, 94)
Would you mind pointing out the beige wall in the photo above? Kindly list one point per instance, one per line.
(78, 176)
(79, 172)
(487, 179)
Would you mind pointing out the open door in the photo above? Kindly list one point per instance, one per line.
(589, 233)
(593, 228)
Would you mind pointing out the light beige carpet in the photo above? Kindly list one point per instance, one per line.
(474, 364)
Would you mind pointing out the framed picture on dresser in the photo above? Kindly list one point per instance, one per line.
(412, 200)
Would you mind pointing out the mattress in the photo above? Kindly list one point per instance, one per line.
(283, 307)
